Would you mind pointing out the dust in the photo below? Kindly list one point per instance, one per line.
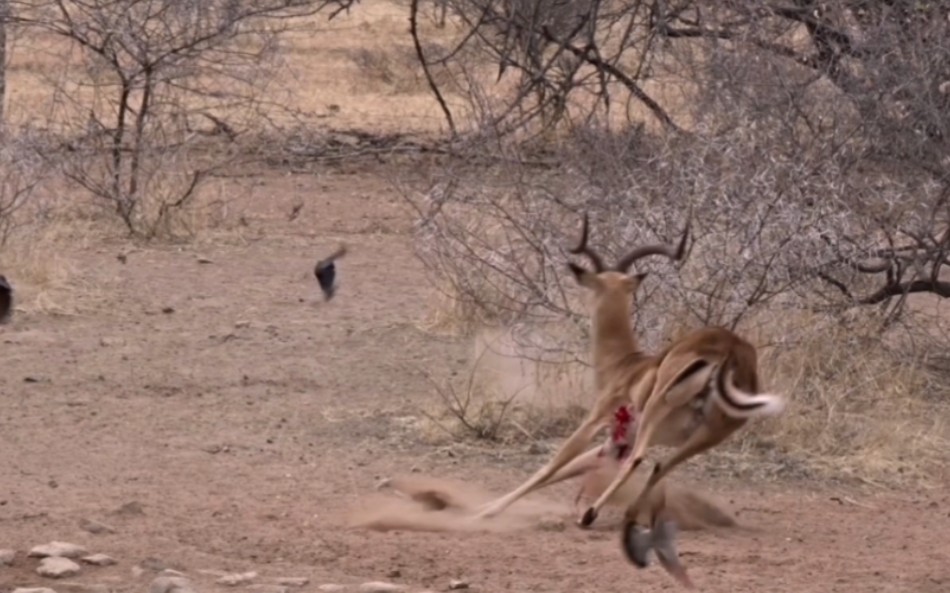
(509, 365)
(425, 503)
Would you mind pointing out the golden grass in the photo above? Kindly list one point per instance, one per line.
(36, 260)
(858, 408)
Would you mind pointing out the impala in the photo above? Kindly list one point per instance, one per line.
(691, 396)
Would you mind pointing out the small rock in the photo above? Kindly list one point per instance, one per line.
(166, 584)
(381, 587)
(383, 483)
(237, 578)
(204, 260)
(293, 581)
(56, 567)
(60, 549)
(99, 560)
(129, 509)
(6, 557)
(33, 590)
(330, 588)
(456, 584)
(394, 573)
(137, 572)
(95, 527)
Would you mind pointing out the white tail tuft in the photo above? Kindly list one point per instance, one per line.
(741, 404)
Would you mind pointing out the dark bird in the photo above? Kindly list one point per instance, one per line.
(6, 299)
(325, 271)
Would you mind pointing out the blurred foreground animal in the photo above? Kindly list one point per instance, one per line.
(325, 271)
(6, 300)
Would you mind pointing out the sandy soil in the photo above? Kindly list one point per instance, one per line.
(245, 418)
(220, 416)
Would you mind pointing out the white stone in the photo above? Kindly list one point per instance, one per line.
(237, 578)
(56, 567)
(60, 549)
(99, 560)
(456, 584)
(34, 590)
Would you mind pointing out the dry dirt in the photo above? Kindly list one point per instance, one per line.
(221, 417)
(245, 417)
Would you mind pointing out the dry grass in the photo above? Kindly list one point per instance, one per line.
(858, 408)
(36, 261)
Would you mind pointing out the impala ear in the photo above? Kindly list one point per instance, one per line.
(584, 277)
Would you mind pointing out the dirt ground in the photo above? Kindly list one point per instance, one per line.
(244, 417)
(207, 405)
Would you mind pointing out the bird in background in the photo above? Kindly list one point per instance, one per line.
(6, 299)
(325, 271)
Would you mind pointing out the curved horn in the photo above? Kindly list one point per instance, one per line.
(674, 252)
(582, 248)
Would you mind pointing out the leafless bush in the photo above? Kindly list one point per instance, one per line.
(151, 83)
(808, 143)
(21, 171)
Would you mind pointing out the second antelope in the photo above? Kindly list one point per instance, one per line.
(691, 396)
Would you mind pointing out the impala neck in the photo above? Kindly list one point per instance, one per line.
(613, 340)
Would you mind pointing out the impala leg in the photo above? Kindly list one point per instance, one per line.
(569, 451)
(648, 424)
(702, 439)
(579, 465)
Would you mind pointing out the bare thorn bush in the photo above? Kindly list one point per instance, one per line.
(810, 145)
(153, 98)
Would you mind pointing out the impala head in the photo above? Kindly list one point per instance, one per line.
(614, 286)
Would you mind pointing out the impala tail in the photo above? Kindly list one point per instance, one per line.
(739, 403)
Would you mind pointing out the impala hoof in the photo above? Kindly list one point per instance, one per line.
(590, 515)
(637, 543)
